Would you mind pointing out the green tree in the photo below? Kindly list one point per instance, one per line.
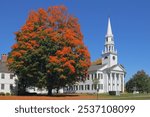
(140, 82)
(49, 51)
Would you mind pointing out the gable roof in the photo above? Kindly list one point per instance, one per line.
(119, 65)
(95, 67)
(4, 68)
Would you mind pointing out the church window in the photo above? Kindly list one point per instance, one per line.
(101, 76)
(95, 75)
(109, 48)
(117, 78)
(114, 58)
(106, 57)
(88, 87)
(76, 87)
(98, 75)
(82, 88)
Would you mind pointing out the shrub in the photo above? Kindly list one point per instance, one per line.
(112, 92)
(7, 94)
(2, 94)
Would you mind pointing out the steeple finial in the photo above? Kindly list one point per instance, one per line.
(109, 30)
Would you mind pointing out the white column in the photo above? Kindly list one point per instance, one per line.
(123, 82)
(111, 83)
(107, 85)
(115, 82)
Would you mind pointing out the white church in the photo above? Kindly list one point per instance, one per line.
(106, 76)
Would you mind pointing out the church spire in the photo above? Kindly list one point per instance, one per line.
(109, 30)
(109, 55)
(109, 40)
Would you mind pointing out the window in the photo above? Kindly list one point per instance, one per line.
(98, 75)
(11, 76)
(92, 76)
(2, 75)
(94, 86)
(101, 76)
(88, 77)
(88, 87)
(106, 57)
(95, 75)
(82, 88)
(114, 58)
(117, 78)
(11, 86)
(76, 87)
(2, 86)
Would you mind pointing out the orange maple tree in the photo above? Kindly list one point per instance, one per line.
(49, 50)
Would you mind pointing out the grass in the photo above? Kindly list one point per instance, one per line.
(125, 96)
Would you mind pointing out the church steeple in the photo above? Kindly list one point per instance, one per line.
(109, 30)
(109, 40)
(109, 55)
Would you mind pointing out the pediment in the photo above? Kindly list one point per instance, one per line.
(118, 68)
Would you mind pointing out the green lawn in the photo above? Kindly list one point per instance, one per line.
(125, 96)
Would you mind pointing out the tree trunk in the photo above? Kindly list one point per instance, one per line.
(57, 90)
(49, 91)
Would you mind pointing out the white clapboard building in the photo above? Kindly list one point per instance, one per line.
(104, 77)
(7, 78)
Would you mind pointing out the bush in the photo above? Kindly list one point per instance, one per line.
(114, 92)
(2, 94)
(7, 94)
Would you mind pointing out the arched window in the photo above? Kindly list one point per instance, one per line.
(106, 57)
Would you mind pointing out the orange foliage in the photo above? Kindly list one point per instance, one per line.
(33, 17)
(16, 54)
(53, 59)
(70, 66)
(10, 60)
(34, 43)
(15, 46)
(84, 63)
(22, 51)
(64, 51)
(43, 14)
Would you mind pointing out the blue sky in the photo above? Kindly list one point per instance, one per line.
(130, 21)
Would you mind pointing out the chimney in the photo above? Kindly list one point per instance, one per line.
(4, 58)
